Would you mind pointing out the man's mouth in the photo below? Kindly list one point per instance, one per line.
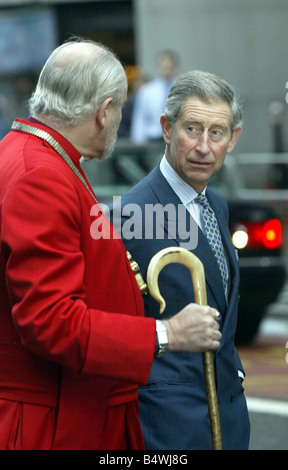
(200, 164)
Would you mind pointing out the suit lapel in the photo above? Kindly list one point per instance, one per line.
(166, 195)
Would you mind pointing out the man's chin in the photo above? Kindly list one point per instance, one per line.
(107, 153)
(105, 156)
(99, 158)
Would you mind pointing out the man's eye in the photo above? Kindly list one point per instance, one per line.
(217, 134)
(193, 130)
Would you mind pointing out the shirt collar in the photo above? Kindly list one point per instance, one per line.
(184, 191)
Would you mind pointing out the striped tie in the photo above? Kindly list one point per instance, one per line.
(213, 235)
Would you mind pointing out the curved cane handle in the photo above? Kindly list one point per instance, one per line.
(183, 256)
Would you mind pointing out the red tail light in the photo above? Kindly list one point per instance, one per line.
(267, 234)
(272, 234)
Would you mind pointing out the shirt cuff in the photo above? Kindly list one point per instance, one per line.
(241, 374)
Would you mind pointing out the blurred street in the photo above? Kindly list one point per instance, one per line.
(266, 383)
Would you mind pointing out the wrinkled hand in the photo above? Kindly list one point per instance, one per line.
(193, 329)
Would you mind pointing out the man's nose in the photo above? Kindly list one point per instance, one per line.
(203, 143)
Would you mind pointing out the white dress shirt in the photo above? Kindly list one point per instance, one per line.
(184, 191)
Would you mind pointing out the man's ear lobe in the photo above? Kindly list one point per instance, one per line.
(166, 128)
(101, 114)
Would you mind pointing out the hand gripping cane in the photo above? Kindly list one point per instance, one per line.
(183, 256)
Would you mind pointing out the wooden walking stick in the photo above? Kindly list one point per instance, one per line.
(183, 256)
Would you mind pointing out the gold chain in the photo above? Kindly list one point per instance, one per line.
(19, 126)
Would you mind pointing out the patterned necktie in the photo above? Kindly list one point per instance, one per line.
(213, 235)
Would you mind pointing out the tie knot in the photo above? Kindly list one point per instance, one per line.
(202, 200)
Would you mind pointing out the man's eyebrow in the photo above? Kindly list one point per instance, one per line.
(199, 121)
(223, 126)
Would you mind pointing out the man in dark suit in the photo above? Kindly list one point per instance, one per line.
(201, 124)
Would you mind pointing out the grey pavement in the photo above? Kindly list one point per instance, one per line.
(269, 418)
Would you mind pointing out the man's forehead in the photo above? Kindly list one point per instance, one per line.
(196, 109)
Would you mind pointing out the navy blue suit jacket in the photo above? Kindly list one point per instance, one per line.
(173, 405)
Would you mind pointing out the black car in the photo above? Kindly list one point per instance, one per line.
(257, 233)
(256, 228)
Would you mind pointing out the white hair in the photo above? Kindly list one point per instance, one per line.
(75, 80)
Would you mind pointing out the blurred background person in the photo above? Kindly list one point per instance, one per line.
(151, 98)
(127, 111)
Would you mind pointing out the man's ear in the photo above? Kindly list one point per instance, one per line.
(233, 140)
(166, 128)
(101, 113)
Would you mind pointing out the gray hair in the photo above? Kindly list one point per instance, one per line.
(75, 80)
(208, 88)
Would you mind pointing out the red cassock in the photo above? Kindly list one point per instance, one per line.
(74, 341)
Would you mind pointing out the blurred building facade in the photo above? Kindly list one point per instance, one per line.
(244, 41)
